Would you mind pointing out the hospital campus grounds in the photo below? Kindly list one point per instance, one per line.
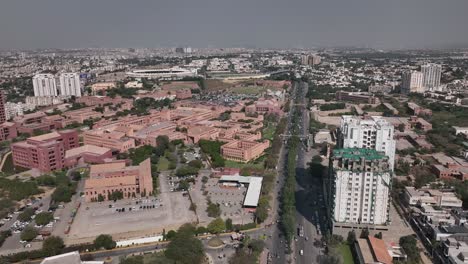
(171, 210)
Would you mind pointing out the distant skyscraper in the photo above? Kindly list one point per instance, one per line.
(2, 108)
(412, 82)
(44, 85)
(369, 132)
(359, 186)
(310, 59)
(431, 76)
(70, 84)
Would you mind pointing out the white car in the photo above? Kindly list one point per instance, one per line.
(301, 252)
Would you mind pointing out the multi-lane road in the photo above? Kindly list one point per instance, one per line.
(310, 209)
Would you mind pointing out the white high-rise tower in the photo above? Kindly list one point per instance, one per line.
(431, 76)
(369, 132)
(70, 84)
(44, 85)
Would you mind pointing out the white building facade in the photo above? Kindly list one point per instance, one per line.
(70, 84)
(44, 85)
(361, 182)
(412, 82)
(368, 132)
(431, 76)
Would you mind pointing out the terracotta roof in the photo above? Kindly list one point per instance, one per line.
(110, 182)
(380, 250)
(107, 167)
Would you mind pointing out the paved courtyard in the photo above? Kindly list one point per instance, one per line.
(171, 209)
(230, 200)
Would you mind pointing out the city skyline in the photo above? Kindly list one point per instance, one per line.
(269, 24)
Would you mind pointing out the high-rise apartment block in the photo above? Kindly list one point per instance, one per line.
(431, 76)
(65, 84)
(70, 84)
(368, 132)
(3, 116)
(412, 82)
(310, 59)
(45, 85)
(359, 190)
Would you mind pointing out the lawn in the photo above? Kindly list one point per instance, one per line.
(163, 164)
(269, 131)
(233, 164)
(345, 251)
(8, 167)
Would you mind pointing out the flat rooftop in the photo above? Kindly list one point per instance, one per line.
(91, 149)
(253, 191)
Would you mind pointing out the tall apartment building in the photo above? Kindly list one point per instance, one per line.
(412, 82)
(45, 152)
(310, 59)
(45, 85)
(368, 132)
(431, 76)
(3, 115)
(359, 189)
(70, 84)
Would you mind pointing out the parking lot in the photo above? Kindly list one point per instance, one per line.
(230, 200)
(132, 218)
(13, 244)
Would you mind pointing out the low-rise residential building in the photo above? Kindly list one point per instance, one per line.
(455, 251)
(461, 130)
(450, 167)
(434, 197)
(108, 178)
(372, 250)
(243, 151)
(418, 110)
(357, 97)
(102, 86)
(45, 152)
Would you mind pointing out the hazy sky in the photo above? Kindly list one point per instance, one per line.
(26, 24)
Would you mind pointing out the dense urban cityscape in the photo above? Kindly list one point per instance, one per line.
(192, 154)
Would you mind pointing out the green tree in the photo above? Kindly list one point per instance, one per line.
(29, 233)
(196, 163)
(132, 260)
(201, 230)
(408, 243)
(62, 194)
(351, 237)
(53, 245)
(256, 245)
(378, 235)
(229, 225)
(26, 214)
(104, 241)
(185, 249)
(213, 210)
(171, 234)
(216, 226)
(364, 233)
(43, 218)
